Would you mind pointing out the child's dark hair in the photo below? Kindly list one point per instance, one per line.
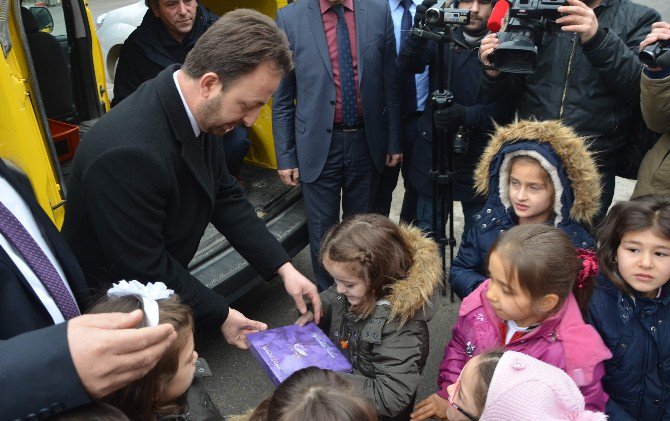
(488, 362)
(544, 261)
(644, 212)
(314, 394)
(377, 249)
(142, 398)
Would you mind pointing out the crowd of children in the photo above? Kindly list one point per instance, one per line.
(552, 324)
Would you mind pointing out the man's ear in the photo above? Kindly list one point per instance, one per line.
(548, 303)
(210, 84)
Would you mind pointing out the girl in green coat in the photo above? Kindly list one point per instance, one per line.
(377, 310)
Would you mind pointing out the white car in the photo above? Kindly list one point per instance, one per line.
(113, 28)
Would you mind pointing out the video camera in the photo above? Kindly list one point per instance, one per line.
(519, 43)
(656, 54)
(438, 22)
(440, 16)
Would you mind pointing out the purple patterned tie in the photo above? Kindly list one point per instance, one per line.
(33, 255)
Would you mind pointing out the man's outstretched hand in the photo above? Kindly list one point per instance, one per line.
(299, 287)
(237, 326)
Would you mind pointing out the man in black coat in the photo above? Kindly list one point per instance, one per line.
(168, 31)
(49, 363)
(147, 181)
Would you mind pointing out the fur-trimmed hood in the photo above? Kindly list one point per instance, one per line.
(410, 295)
(561, 152)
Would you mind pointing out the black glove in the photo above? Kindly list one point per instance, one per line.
(420, 14)
(449, 117)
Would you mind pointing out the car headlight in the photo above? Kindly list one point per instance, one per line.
(100, 20)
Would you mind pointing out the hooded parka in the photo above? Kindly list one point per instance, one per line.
(576, 192)
(637, 331)
(388, 349)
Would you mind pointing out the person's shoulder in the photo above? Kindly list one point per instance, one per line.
(636, 11)
(292, 10)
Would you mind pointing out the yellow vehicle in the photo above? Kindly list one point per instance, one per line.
(53, 88)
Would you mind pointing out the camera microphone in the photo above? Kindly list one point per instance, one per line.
(498, 16)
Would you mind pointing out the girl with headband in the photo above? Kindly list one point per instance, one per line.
(169, 389)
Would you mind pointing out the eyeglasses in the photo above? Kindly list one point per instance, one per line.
(455, 405)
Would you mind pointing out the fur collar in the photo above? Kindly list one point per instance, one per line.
(410, 295)
(577, 161)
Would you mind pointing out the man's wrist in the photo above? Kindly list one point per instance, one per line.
(283, 270)
(595, 40)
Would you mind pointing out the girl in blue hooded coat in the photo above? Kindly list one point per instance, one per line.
(630, 308)
(531, 172)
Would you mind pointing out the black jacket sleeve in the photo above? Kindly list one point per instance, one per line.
(415, 55)
(129, 214)
(236, 219)
(37, 375)
(614, 55)
(127, 78)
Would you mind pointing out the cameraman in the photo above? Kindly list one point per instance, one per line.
(472, 108)
(587, 75)
(654, 174)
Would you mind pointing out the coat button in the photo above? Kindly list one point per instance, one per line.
(483, 225)
(583, 243)
(332, 102)
(657, 402)
(623, 346)
(329, 130)
(57, 407)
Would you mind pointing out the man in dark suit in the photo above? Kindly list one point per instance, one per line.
(147, 181)
(51, 358)
(336, 118)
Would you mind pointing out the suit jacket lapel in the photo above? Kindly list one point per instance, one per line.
(181, 126)
(361, 34)
(318, 33)
(57, 244)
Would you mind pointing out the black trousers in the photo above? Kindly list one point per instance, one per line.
(349, 178)
(389, 178)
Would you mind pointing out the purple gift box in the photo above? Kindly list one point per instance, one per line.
(285, 350)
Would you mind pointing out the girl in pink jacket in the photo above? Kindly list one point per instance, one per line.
(527, 305)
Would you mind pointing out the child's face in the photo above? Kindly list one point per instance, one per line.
(531, 194)
(643, 259)
(346, 281)
(185, 370)
(462, 393)
(509, 301)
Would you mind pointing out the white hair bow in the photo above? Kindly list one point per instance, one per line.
(149, 293)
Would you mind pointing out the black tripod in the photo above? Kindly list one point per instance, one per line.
(442, 169)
